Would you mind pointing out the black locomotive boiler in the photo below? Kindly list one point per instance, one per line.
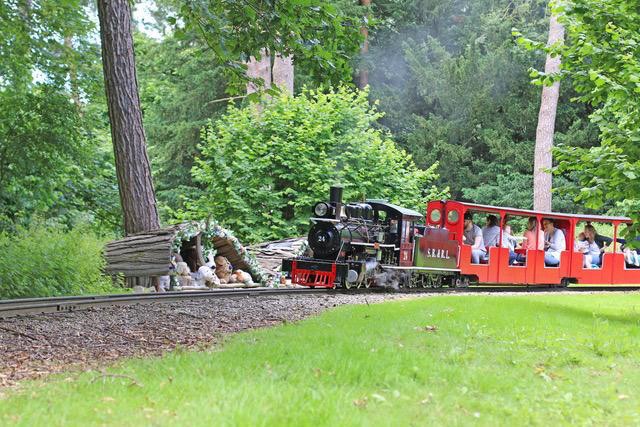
(370, 243)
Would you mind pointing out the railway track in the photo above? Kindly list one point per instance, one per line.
(18, 307)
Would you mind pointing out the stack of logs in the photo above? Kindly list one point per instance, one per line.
(151, 257)
(270, 254)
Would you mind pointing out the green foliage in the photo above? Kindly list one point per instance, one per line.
(48, 166)
(42, 261)
(180, 85)
(263, 171)
(54, 160)
(317, 34)
(602, 56)
(50, 41)
(455, 89)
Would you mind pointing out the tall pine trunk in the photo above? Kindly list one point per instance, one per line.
(282, 72)
(132, 162)
(363, 74)
(259, 69)
(73, 72)
(546, 125)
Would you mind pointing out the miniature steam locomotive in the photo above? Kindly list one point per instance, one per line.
(372, 243)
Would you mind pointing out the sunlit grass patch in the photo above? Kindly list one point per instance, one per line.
(455, 360)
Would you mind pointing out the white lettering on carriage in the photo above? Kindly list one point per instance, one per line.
(438, 253)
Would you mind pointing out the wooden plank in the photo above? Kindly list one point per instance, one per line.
(166, 251)
(124, 265)
(127, 243)
(139, 272)
(141, 258)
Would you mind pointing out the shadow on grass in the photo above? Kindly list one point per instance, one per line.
(629, 319)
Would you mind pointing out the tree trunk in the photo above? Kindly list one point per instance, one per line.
(259, 70)
(73, 72)
(546, 125)
(132, 162)
(363, 75)
(282, 73)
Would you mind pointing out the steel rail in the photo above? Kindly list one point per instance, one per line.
(17, 307)
(11, 308)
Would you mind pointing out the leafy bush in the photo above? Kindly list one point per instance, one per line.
(263, 170)
(46, 261)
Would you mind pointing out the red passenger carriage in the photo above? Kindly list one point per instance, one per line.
(497, 270)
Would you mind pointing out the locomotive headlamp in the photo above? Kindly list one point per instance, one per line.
(320, 209)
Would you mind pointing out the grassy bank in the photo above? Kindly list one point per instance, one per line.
(455, 360)
(51, 260)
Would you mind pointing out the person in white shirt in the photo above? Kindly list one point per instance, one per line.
(491, 231)
(554, 243)
(510, 242)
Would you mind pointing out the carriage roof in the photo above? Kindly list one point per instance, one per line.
(527, 212)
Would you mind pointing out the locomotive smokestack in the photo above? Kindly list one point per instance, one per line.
(335, 194)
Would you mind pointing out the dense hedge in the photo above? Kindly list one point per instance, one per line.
(262, 170)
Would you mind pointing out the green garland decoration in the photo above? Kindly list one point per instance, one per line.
(208, 231)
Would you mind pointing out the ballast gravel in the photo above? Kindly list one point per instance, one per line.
(37, 345)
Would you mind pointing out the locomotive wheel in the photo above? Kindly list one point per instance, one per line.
(456, 282)
(435, 281)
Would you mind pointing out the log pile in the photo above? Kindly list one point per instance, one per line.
(154, 254)
(270, 254)
(142, 254)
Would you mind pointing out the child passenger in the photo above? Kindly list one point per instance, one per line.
(582, 246)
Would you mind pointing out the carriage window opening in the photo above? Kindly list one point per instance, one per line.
(474, 237)
(630, 247)
(514, 237)
(453, 216)
(593, 240)
(435, 215)
(555, 240)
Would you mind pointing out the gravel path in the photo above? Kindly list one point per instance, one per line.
(34, 346)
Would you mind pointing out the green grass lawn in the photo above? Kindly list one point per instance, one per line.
(454, 360)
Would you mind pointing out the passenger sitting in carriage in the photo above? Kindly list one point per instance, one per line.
(589, 249)
(473, 237)
(529, 242)
(531, 235)
(491, 231)
(592, 247)
(631, 256)
(554, 243)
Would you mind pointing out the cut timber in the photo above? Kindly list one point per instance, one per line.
(271, 254)
(149, 253)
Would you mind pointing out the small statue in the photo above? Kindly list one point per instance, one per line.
(183, 274)
(205, 277)
(223, 269)
(240, 276)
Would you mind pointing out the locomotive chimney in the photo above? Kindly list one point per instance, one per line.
(335, 194)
